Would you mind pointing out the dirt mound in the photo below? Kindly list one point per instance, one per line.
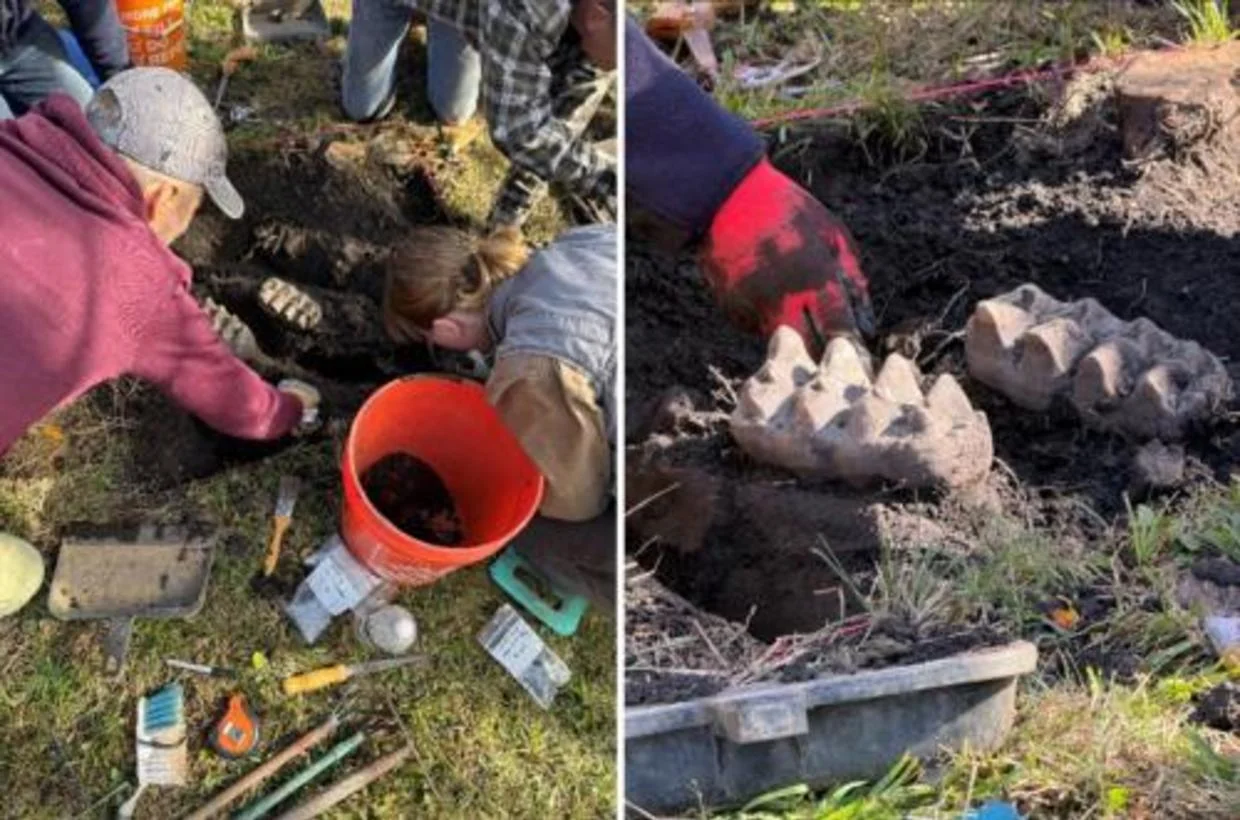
(321, 229)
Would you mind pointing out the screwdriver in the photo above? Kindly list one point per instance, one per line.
(331, 675)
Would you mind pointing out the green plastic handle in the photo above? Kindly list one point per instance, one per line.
(262, 806)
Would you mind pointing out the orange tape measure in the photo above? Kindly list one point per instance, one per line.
(236, 733)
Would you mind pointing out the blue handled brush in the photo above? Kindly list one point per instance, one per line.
(161, 733)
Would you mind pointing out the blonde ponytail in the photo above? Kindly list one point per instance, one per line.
(438, 270)
(495, 258)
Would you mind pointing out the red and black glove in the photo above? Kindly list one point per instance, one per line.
(775, 256)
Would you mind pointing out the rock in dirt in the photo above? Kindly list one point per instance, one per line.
(1205, 596)
(1221, 571)
(1130, 377)
(1172, 102)
(290, 304)
(1219, 708)
(1157, 466)
(832, 419)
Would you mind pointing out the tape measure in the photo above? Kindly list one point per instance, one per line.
(236, 733)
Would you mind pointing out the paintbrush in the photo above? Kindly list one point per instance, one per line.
(285, 502)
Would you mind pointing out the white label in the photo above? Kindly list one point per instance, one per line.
(339, 582)
(517, 648)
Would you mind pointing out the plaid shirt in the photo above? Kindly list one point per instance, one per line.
(528, 64)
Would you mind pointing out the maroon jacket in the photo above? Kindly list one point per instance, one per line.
(89, 293)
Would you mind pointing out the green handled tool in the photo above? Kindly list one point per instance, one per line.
(263, 806)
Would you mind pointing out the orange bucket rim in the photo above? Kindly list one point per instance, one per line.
(446, 555)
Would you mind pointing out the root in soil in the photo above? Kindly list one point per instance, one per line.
(408, 492)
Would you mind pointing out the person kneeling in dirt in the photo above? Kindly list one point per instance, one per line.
(550, 320)
(543, 67)
(89, 290)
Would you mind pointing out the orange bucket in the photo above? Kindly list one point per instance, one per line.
(155, 30)
(450, 425)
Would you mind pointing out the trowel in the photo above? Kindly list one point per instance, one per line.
(153, 572)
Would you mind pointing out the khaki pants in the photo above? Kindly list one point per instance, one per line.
(552, 409)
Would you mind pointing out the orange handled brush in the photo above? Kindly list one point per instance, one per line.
(331, 675)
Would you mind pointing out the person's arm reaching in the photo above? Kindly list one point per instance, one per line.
(181, 353)
(97, 27)
(772, 253)
(520, 108)
(684, 154)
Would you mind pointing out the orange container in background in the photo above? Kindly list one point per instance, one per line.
(450, 425)
(155, 30)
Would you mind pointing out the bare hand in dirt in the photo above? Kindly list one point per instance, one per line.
(310, 401)
(775, 256)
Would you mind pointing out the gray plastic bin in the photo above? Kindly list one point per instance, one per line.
(731, 747)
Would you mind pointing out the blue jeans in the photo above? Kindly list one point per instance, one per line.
(378, 28)
(36, 66)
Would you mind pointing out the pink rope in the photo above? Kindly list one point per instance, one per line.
(940, 92)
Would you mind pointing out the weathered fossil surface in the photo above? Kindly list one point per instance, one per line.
(234, 332)
(834, 420)
(288, 302)
(1131, 377)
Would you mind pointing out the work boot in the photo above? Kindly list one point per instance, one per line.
(290, 304)
(21, 573)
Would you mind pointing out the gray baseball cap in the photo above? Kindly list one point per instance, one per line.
(158, 118)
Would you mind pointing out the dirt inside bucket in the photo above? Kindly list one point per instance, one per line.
(1006, 191)
(408, 492)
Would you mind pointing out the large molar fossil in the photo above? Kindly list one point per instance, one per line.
(833, 419)
(1130, 377)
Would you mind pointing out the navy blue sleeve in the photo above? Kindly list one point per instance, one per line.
(684, 153)
(97, 27)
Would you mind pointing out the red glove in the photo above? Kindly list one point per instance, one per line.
(775, 256)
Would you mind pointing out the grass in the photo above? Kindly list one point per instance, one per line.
(482, 747)
(1209, 21)
(1084, 744)
(1101, 749)
(890, 798)
(900, 44)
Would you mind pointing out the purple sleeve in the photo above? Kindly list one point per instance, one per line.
(183, 356)
(684, 154)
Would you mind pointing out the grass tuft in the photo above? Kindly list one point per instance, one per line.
(1209, 21)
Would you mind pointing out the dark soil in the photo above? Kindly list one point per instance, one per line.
(323, 228)
(408, 492)
(1219, 708)
(981, 215)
